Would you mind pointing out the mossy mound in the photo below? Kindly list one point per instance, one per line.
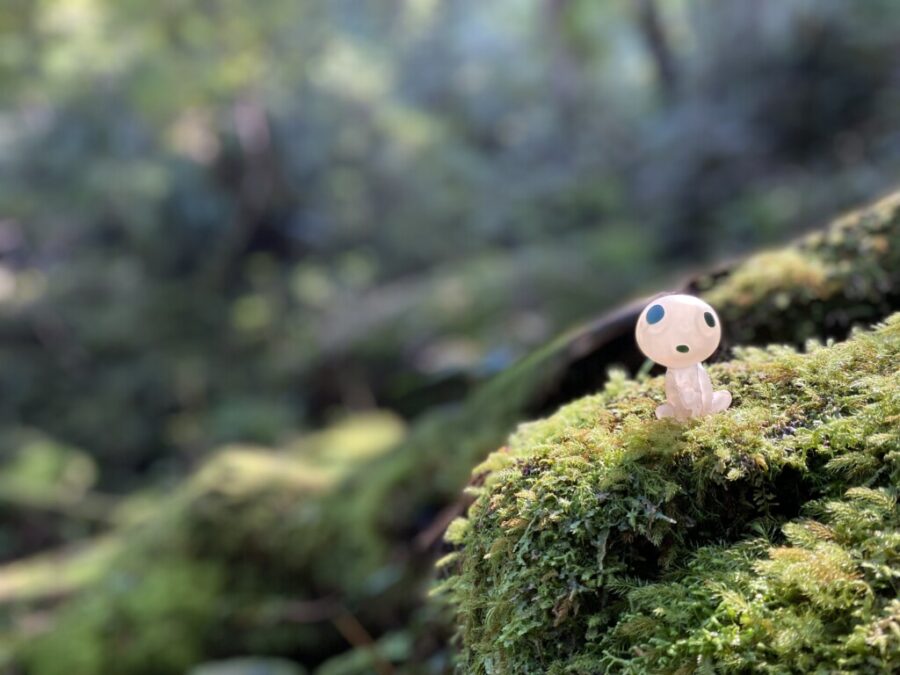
(827, 282)
(149, 623)
(220, 558)
(762, 539)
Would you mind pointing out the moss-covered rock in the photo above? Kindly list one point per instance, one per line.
(154, 622)
(762, 539)
(218, 565)
(827, 282)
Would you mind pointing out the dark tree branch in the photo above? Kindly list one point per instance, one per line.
(654, 34)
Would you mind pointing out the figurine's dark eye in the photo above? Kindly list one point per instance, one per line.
(655, 314)
(710, 319)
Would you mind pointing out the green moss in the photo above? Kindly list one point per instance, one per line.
(148, 621)
(762, 539)
(213, 563)
(848, 274)
(58, 573)
(823, 601)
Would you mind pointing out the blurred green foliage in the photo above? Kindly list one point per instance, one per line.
(248, 666)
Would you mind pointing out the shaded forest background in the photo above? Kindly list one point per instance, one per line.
(236, 221)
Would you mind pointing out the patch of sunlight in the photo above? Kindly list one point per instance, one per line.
(348, 69)
(774, 272)
(312, 285)
(239, 470)
(418, 15)
(7, 284)
(30, 286)
(410, 129)
(41, 472)
(71, 17)
(680, 27)
(193, 135)
(80, 41)
(20, 287)
(353, 439)
(240, 69)
(138, 507)
(235, 472)
(56, 573)
(252, 312)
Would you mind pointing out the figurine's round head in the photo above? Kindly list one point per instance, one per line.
(678, 331)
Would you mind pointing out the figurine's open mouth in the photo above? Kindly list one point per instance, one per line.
(684, 349)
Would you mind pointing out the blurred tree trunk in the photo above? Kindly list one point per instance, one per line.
(565, 64)
(253, 180)
(654, 33)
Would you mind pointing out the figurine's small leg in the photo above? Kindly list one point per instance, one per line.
(720, 401)
(665, 410)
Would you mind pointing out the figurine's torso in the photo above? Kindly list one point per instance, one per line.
(689, 394)
(686, 383)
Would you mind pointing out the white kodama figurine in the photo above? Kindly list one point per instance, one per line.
(680, 332)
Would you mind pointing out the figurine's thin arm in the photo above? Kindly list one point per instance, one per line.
(673, 395)
(706, 390)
